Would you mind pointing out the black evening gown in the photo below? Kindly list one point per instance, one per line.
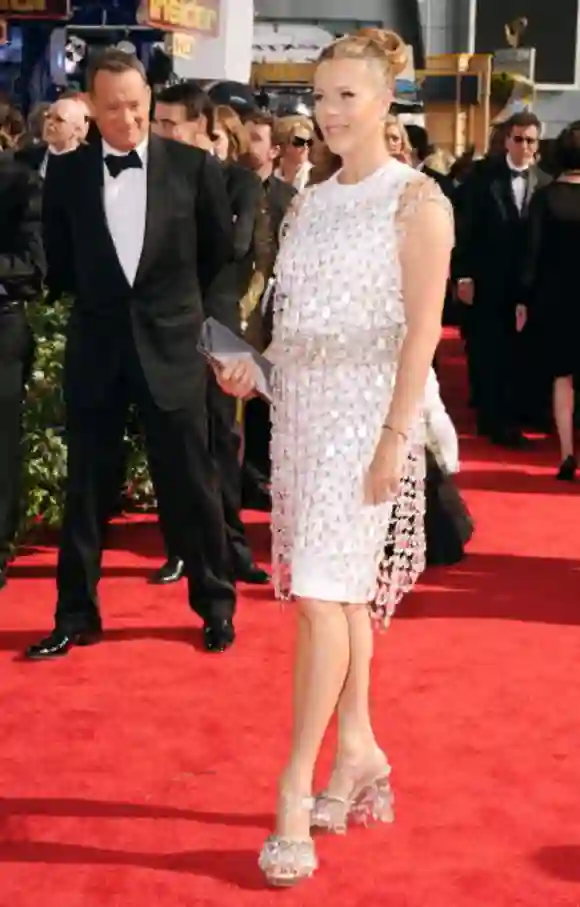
(552, 276)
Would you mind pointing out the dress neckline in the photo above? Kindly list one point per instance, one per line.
(366, 179)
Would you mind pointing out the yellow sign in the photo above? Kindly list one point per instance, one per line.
(36, 9)
(182, 45)
(200, 16)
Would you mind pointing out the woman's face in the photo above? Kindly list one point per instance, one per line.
(221, 143)
(351, 102)
(394, 140)
(297, 151)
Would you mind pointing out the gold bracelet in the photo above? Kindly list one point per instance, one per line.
(396, 431)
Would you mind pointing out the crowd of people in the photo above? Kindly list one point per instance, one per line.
(328, 244)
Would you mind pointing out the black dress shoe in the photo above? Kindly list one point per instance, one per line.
(3, 579)
(252, 574)
(171, 572)
(567, 471)
(60, 643)
(511, 438)
(218, 635)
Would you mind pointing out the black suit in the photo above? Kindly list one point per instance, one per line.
(21, 272)
(138, 344)
(279, 195)
(491, 247)
(444, 182)
(246, 196)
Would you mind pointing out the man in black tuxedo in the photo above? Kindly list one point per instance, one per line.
(137, 228)
(185, 113)
(21, 272)
(492, 209)
(279, 194)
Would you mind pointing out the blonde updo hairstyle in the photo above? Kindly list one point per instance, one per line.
(385, 48)
(381, 48)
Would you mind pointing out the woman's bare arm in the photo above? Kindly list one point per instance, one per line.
(426, 242)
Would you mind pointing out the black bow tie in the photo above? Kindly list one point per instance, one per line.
(523, 174)
(116, 163)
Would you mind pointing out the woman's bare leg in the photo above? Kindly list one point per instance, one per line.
(357, 748)
(322, 659)
(564, 414)
(355, 733)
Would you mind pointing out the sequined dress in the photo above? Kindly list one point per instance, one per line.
(339, 323)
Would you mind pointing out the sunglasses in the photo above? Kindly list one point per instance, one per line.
(298, 142)
(524, 140)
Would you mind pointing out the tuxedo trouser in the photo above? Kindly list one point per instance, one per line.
(16, 356)
(177, 443)
(224, 444)
(258, 430)
(495, 351)
(224, 440)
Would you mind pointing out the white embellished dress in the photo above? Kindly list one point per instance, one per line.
(339, 322)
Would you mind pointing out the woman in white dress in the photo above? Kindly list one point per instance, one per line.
(361, 279)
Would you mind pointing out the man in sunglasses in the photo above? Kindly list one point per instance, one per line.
(492, 212)
(295, 137)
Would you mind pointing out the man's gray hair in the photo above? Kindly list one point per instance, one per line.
(115, 61)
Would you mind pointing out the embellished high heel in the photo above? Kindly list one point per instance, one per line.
(371, 801)
(287, 861)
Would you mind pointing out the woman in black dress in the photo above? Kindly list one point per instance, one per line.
(551, 285)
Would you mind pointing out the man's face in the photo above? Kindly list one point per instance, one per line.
(171, 122)
(64, 124)
(522, 145)
(121, 107)
(262, 151)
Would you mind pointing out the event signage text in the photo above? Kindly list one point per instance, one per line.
(197, 16)
(35, 9)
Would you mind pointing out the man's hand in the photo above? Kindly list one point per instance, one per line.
(465, 291)
(521, 317)
(238, 378)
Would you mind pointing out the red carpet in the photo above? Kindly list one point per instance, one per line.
(140, 773)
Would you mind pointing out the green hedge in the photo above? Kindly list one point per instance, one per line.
(44, 450)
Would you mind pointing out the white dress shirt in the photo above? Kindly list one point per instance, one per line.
(519, 184)
(125, 202)
(302, 177)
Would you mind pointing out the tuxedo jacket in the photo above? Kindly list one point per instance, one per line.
(187, 243)
(250, 232)
(279, 195)
(492, 233)
(444, 182)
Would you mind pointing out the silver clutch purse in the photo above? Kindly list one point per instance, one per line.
(220, 346)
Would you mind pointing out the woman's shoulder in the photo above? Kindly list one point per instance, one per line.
(417, 190)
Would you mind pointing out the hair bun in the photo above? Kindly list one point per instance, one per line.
(391, 45)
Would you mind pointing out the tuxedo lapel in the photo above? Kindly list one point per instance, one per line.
(157, 204)
(502, 191)
(531, 187)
